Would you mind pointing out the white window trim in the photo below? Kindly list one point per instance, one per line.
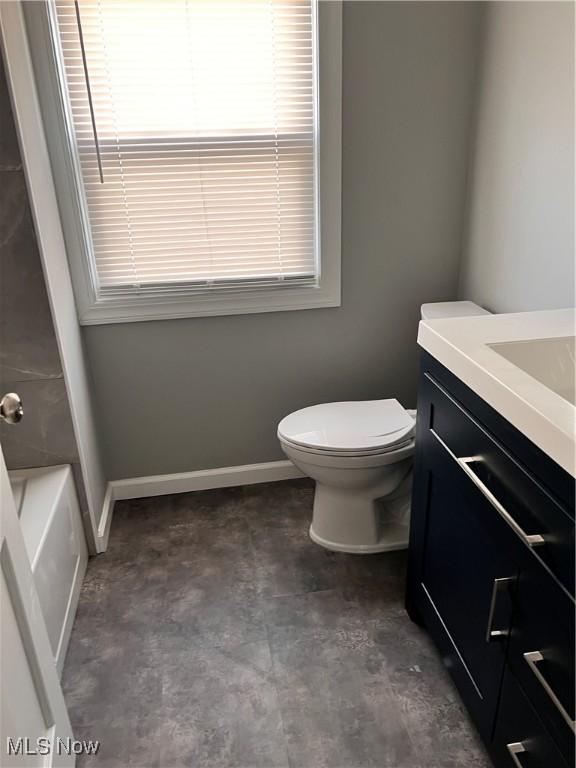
(93, 311)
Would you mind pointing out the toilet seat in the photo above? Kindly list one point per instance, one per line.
(348, 454)
(347, 461)
(359, 428)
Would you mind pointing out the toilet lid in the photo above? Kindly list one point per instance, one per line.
(353, 426)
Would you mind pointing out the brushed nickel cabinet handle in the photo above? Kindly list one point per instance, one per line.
(500, 585)
(532, 540)
(516, 748)
(533, 658)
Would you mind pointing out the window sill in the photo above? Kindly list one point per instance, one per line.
(144, 309)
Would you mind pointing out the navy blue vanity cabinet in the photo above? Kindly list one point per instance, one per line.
(541, 651)
(491, 571)
(521, 739)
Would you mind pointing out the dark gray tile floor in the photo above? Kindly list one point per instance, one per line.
(214, 634)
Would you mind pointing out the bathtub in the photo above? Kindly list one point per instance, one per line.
(51, 523)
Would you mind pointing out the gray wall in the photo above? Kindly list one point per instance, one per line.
(29, 358)
(519, 251)
(207, 392)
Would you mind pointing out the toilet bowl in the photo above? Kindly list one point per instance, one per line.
(360, 455)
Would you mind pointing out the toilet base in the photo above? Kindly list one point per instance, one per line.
(360, 521)
(393, 536)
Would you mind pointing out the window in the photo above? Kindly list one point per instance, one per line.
(193, 144)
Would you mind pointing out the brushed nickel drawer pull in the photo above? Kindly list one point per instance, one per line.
(500, 585)
(532, 540)
(516, 748)
(533, 658)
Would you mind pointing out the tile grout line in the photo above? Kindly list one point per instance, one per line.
(261, 601)
(275, 681)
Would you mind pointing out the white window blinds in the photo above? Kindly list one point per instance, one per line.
(195, 134)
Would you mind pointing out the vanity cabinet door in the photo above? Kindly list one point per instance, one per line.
(462, 579)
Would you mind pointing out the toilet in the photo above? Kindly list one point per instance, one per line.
(360, 454)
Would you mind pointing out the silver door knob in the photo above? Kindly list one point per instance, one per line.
(11, 408)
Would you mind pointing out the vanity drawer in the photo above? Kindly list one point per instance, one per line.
(541, 651)
(521, 739)
(488, 468)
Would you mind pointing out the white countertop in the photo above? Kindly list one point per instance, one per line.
(460, 344)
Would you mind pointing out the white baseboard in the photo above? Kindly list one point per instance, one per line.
(182, 482)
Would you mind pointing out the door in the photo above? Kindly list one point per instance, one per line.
(34, 724)
(467, 584)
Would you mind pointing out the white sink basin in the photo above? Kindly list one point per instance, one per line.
(552, 362)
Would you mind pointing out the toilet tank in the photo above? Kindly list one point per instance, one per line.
(445, 309)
